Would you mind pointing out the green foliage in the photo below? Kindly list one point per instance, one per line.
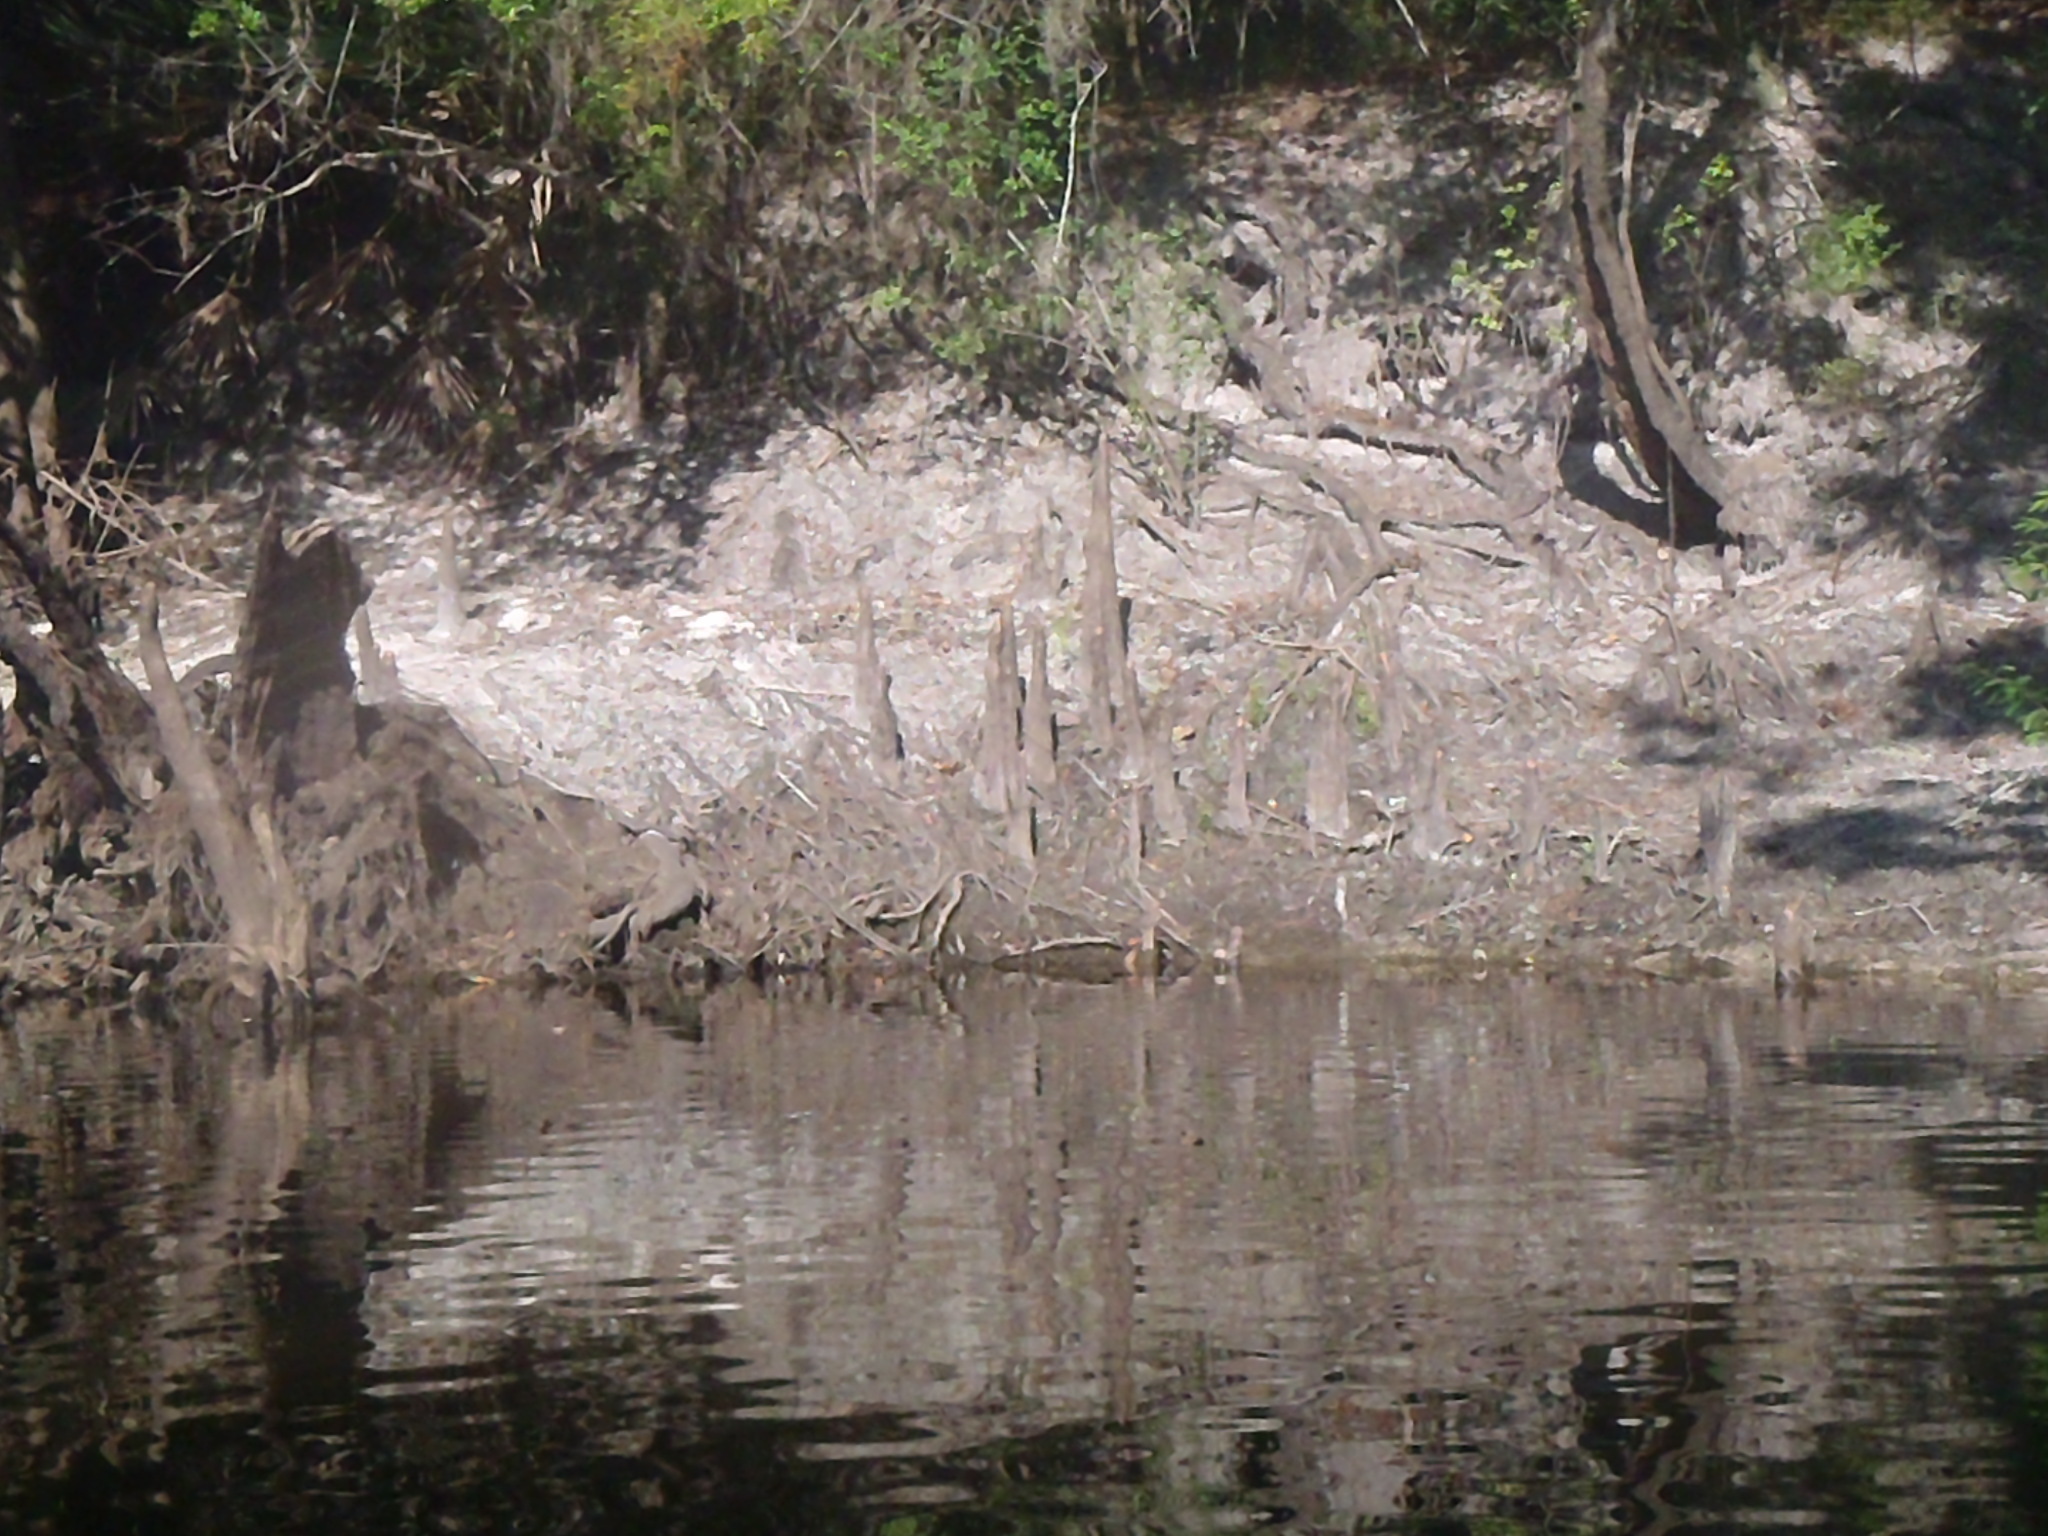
(970, 127)
(1883, 18)
(1846, 251)
(1716, 182)
(1842, 381)
(1486, 28)
(2034, 70)
(2027, 565)
(1365, 715)
(1482, 287)
(1142, 313)
(227, 18)
(1258, 706)
(2012, 693)
(2016, 696)
(985, 125)
(454, 216)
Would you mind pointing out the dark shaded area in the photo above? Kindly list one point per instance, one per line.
(1997, 1171)
(1580, 475)
(590, 1412)
(1957, 158)
(1705, 729)
(1995, 1166)
(2009, 1371)
(497, 358)
(1974, 693)
(295, 687)
(439, 305)
(2005, 828)
(1854, 842)
(290, 325)
(653, 487)
(1645, 1391)
(1954, 159)
(1669, 735)
(522, 1450)
(1890, 1069)
(1637, 385)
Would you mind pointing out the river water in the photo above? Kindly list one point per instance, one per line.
(1419, 1258)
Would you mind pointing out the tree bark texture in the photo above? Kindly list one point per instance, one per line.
(294, 688)
(1653, 415)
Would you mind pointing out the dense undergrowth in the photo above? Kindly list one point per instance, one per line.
(457, 221)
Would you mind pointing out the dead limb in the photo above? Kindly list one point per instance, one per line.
(1487, 464)
(266, 920)
(1040, 738)
(1329, 764)
(1102, 629)
(294, 688)
(1003, 783)
(1334, 483)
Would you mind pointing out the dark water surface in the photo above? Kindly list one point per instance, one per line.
(1423, 1259)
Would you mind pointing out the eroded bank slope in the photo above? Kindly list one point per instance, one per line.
(1407, 674)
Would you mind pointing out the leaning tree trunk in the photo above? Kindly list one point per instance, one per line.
(1647, 404)
(77, 724)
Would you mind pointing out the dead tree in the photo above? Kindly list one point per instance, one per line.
(295, 707)
(1003, 783)
(266, 919)
(876, 714)
(1329, 764)
(1720, 838)
(1040, 738)
(77, 724)
(329, 837)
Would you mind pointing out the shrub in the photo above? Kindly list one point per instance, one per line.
(1846, 251)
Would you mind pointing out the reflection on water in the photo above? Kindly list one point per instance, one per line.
(1385, 1258)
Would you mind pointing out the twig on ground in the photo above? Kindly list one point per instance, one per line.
(1899, 906)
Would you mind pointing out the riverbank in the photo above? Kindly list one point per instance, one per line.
(1398, 674)
(1531, 735)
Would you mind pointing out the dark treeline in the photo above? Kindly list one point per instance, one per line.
(452, 220)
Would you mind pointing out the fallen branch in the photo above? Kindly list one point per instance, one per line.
(1334, 483)
(1486, 463)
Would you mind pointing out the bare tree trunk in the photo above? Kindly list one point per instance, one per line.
(1653, 414)
(85, 720)
(27, 399)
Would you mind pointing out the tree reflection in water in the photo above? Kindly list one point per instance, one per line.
(1421, 1258)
